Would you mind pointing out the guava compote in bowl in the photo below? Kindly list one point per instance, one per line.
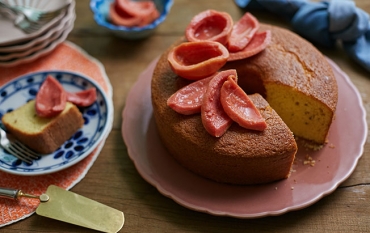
(130, 19)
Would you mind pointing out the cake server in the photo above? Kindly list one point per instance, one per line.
(69, 207)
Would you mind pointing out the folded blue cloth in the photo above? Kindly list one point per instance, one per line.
(324, 23)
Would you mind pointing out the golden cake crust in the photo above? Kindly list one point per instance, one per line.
(290, 60)
(244, 156)
(288, 73)
(240, 156)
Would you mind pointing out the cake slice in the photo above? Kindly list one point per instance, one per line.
(43, 135)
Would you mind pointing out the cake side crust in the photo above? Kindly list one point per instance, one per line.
(43, 135)
(240, 156)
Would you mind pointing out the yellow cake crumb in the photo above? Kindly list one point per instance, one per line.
(308, 160)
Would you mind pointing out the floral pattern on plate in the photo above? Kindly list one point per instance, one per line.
(20, 90)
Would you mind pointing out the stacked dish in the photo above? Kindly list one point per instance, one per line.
(17, 47)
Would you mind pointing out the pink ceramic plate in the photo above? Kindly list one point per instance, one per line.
(306, 185)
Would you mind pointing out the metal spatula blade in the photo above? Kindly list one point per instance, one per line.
(70, 207)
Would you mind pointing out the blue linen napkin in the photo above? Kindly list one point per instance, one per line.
(324, 23)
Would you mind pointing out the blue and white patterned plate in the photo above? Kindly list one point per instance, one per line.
(97, 122)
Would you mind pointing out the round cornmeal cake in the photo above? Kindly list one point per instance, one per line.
(297, 96)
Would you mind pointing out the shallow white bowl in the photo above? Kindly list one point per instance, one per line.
(39, 46)
(51, 43)
(45, 35)
(47, 5)
(16, 36)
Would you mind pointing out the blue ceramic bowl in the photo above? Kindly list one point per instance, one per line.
(100, 8)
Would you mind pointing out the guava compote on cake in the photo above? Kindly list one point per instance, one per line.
(208, 123)
(288, 71)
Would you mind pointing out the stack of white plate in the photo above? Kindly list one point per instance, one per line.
(17, 47)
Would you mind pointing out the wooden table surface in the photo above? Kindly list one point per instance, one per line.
(114, 180)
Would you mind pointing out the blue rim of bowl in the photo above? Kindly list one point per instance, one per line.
(101, 19)
(79, 82)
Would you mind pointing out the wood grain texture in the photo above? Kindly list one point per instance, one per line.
(113, 179)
